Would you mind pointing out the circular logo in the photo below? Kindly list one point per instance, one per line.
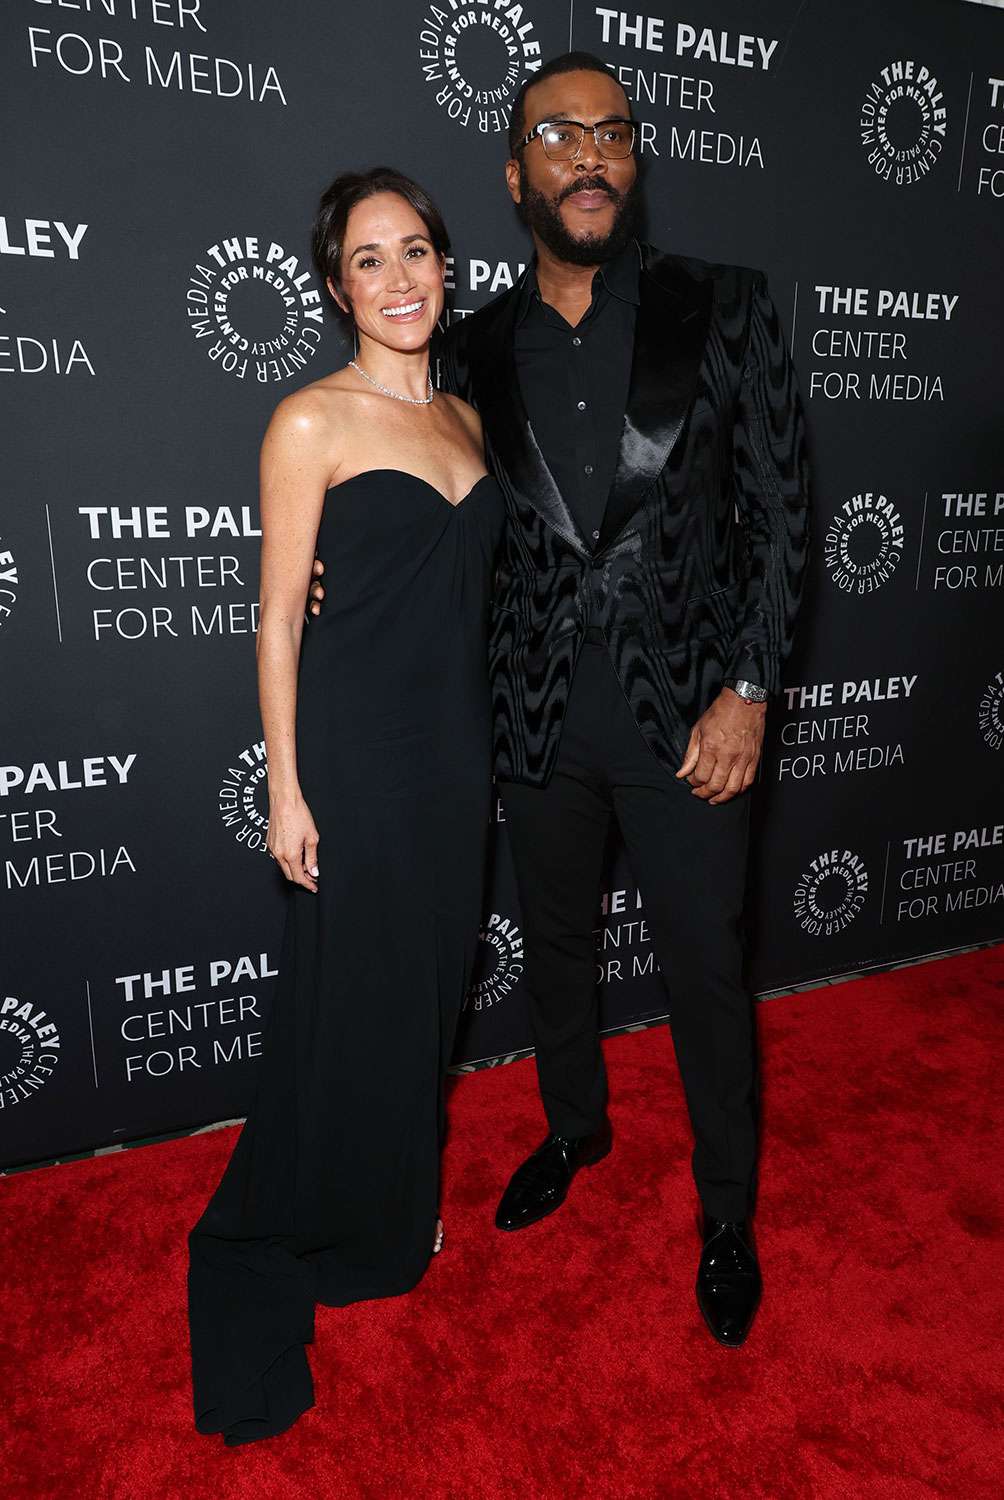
(474, 55)
(831, 892)
(29, 1049)
(903, 122)
(244, 797)
(863, 544)
(992, 712)
(8, 582)
(254, 309)
(499, 962)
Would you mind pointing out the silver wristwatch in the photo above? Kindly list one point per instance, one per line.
(750, 692)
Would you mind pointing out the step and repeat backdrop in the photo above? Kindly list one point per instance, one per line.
(158, 299)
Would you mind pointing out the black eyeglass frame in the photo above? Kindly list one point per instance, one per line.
(542, 125)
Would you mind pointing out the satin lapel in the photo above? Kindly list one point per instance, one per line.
(495, 383)
(674, 312)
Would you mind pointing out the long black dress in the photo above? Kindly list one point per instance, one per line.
(332, 1190)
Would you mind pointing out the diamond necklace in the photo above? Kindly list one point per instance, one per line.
(411, 400)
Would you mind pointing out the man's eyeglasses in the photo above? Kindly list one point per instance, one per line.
(562, 139)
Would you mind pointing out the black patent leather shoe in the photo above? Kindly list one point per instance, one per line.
(728, 1279)
(541, 1183)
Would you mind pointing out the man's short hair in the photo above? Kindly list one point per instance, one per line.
(565, 62)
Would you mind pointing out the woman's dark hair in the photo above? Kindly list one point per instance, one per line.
(338, 201)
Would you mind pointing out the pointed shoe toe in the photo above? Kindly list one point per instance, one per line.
(729, 1284)
(541, 1183)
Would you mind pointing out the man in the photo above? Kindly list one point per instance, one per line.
(641, 415)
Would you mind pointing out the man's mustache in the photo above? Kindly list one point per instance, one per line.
(590, 185)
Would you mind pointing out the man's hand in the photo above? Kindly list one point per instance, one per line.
(724, 748)
(316, 591)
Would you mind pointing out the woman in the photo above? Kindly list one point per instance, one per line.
(377, 735)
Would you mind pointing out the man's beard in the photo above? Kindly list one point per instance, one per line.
(543, 216)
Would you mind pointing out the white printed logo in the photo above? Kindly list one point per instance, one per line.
(863, 544)
(244, 797)
(831, 892)
(260, 311)
(992, 712)
(29, 1050)
(903, 122)
(474, 55)
(8, 583)
(499, 963)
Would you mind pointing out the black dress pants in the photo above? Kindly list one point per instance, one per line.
(689, 860)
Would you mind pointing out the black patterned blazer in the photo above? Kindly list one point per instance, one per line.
(698, 570)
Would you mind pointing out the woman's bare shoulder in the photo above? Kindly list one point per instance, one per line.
(316, 417)
(320, 404)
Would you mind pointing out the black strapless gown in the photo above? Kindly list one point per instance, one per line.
(332, 1191)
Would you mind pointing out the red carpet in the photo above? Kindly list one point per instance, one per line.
(569, 1360)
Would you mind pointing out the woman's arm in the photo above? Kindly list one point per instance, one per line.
(295, 464)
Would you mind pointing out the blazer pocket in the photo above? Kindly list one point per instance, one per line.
(713, 614)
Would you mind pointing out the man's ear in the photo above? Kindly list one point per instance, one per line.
(512, 179)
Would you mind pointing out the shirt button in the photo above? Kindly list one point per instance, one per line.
(588, 469)
(581, 405)
(576, 341)
(596, 536)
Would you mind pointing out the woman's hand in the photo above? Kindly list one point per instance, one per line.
(292, 841)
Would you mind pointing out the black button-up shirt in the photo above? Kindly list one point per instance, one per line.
(574, 383)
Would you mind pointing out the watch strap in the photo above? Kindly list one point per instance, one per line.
(752, 692)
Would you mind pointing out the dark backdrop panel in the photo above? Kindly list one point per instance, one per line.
(158, 301)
